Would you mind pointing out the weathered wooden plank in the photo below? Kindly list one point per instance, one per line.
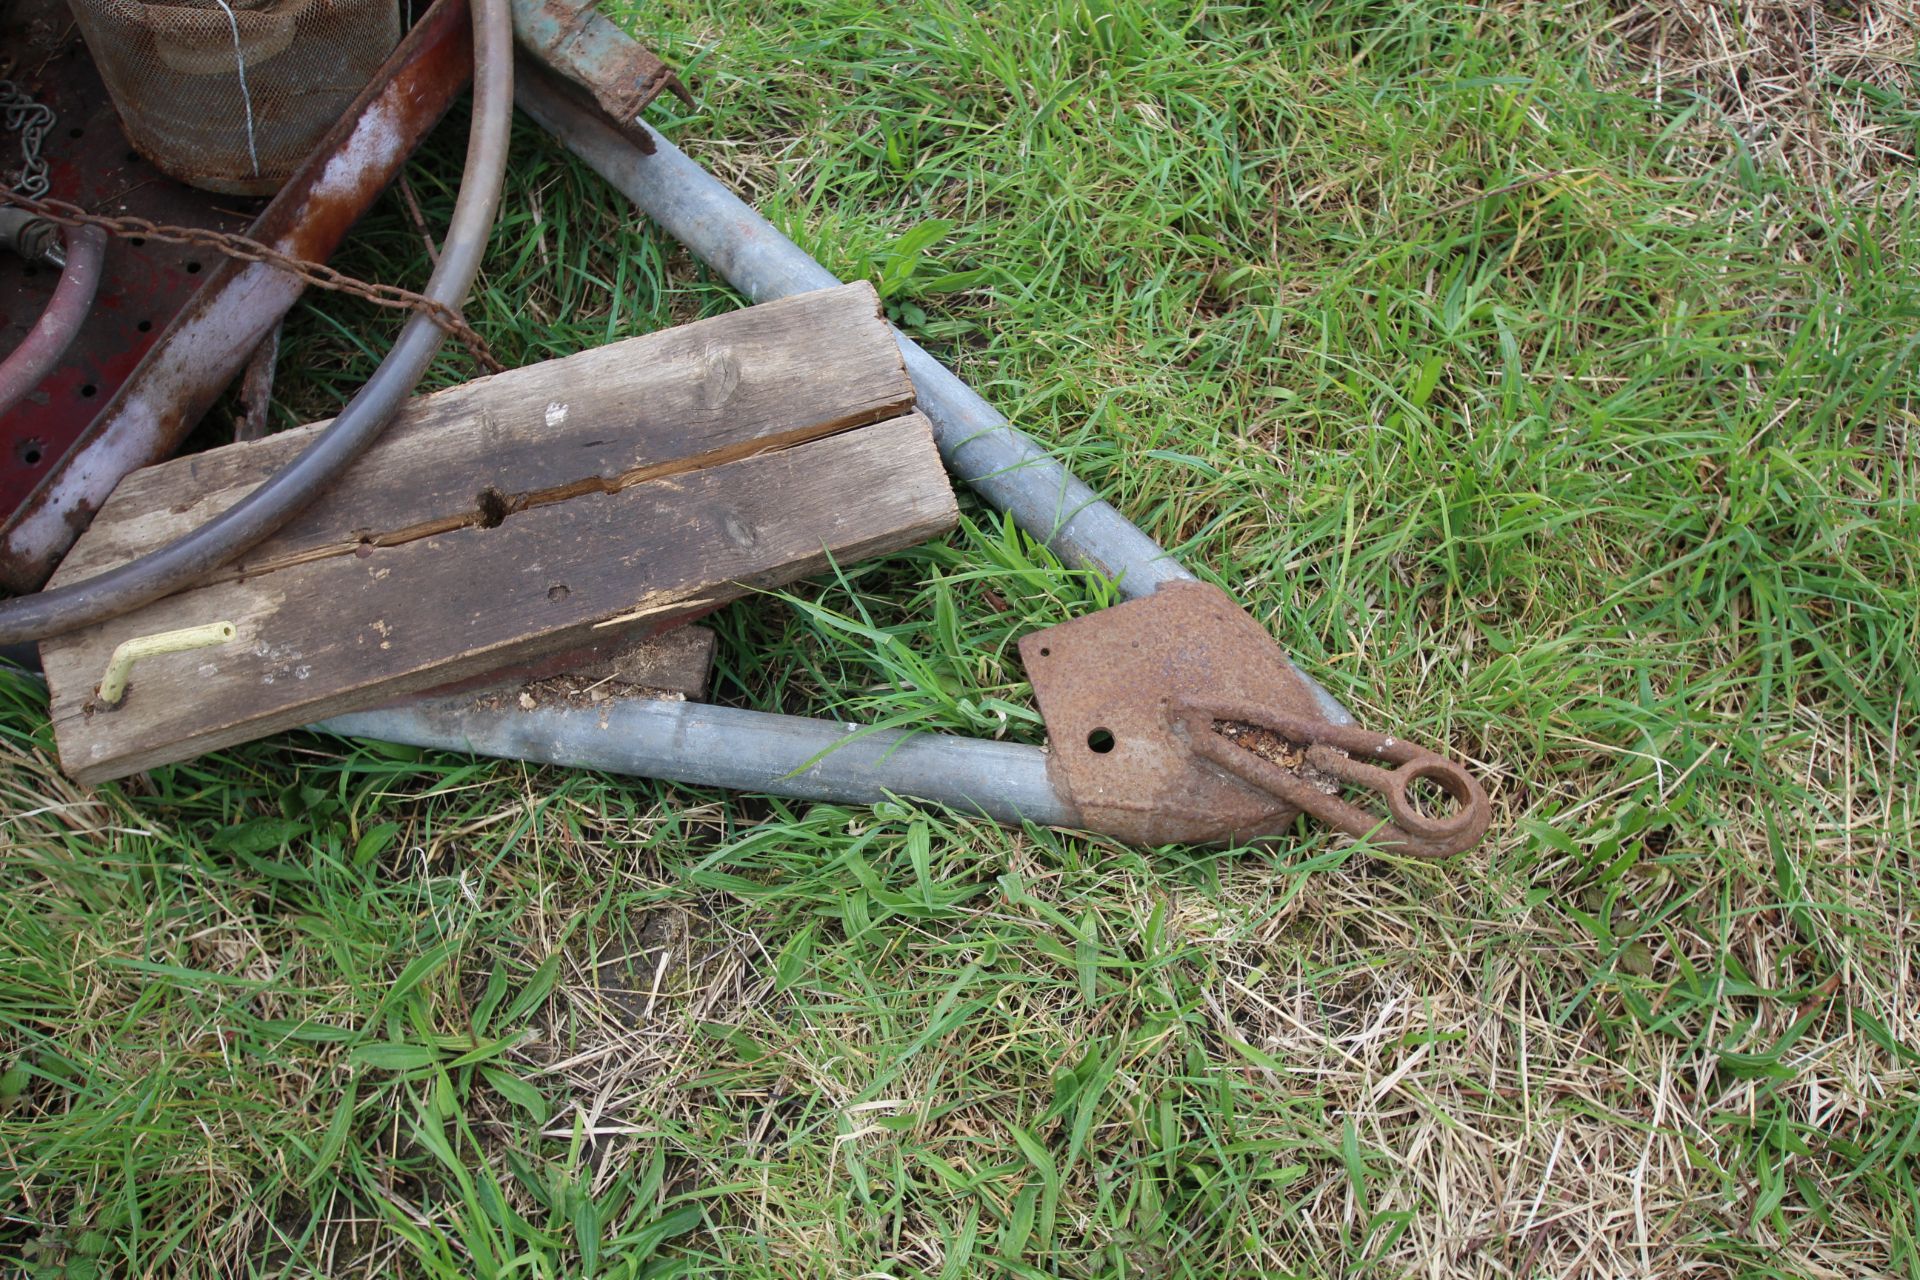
(696, 395)
(330, 634)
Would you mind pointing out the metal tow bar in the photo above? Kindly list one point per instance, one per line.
(1171, 717)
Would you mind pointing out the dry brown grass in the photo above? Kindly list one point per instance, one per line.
(1805, 86)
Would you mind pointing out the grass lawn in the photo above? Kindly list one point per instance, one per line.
(1543, 375)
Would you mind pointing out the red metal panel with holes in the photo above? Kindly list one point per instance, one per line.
(207, 341)
(143, 285)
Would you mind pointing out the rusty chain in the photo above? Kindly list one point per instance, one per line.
(243, 249)
(31, 120)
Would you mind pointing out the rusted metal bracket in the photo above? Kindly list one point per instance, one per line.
(623, 75)
(1175, 717)
(1305, 761)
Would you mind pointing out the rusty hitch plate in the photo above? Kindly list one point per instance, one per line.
(1175, 717)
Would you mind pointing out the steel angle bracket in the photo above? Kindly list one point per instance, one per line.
(1108, 685)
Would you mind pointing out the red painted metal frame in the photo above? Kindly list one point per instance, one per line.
(209, 340)
(90, 163)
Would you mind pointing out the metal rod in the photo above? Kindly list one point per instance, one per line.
(1007, 466)
(113, 685)
(737, 750)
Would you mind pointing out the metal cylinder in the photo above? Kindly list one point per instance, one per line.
(230, 95)
(738, 750)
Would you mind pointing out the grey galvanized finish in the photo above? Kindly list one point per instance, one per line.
(1003, 464)
(737, 750)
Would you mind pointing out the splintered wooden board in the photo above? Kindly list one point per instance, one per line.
(518, 516)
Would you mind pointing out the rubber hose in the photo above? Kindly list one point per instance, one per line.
(273, 503)
(60, 322)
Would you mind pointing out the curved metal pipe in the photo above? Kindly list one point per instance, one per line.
(30, 362)
(268, 507)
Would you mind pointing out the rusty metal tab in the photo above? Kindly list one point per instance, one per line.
(1175, 717)
(573, 38)
(1305, 760)
(1107, 685)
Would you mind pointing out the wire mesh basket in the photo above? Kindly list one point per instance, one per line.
(229, 95)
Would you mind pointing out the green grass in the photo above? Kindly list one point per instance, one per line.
(1541, 416)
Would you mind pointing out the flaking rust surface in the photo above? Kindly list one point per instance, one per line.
(90, 163)
(1275, 749)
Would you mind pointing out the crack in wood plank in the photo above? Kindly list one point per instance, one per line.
(515, 503)
(695, 395)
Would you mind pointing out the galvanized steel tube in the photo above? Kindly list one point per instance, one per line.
(737, 750)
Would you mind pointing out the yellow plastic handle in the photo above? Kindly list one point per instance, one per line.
(113, 685)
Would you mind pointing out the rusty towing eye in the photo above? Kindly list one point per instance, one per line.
(1171, 717)
(1176, 718)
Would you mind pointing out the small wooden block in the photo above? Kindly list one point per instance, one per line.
(636, 485)
(673, 665)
